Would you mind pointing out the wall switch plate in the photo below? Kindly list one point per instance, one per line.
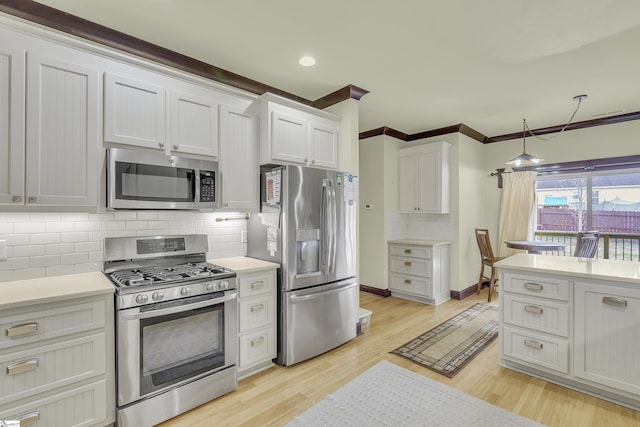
(243, 236)
(3, 250)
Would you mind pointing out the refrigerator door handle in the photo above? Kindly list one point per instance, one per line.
(334, 229)
(297, 298)
(324, 219)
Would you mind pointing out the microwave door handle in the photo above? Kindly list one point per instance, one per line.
(197, 184)
(176, 309)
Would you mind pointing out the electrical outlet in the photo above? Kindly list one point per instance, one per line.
(3, 250)
(243, 236)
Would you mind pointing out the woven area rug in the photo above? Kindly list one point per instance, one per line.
(448, 347)
(388, 395)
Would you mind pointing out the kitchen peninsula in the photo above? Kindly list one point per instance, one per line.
(574, 322)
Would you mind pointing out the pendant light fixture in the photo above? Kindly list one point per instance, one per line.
(525, 158)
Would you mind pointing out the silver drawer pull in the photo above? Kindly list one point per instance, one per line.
(407, 251)
(407, 264)
(257, 285)
(28, 419)
(19, 330)
(20, 367)
(257, 307)
(533, 344)
(407, 281)
(257, 341)
(533, 286)
(616, 302)
(533, 309)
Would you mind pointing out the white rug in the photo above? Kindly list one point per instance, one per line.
(388, 395)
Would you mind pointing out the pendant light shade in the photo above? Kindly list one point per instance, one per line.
(524, 158)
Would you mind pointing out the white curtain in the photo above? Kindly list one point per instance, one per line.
(517, 209)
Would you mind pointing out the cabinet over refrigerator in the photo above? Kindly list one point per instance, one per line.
(307, 225)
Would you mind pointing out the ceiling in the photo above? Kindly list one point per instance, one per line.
(426, 64)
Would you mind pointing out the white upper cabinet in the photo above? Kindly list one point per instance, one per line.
(424, 178)
(238, 160)
(295, 133)
(149, 110)
(12, 64)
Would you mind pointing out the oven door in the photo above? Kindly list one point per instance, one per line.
(164, 345)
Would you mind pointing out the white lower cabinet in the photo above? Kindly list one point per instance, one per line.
(57, 363)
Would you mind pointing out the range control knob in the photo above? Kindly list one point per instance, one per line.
(224, 285)
(213, 286)
(157, 296)
(185, 291)
(142, 298)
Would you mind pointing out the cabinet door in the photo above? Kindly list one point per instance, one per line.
(323, 146)
(407, 182)
(289, 138)
(607, 336)
(429, 184)
(62, 131)
(238, 160)
(11, 125)
(193, 123)
(134, 111)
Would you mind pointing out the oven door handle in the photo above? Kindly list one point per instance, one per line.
(164, 311)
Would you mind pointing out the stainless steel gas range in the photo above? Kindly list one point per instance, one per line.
(176, 326)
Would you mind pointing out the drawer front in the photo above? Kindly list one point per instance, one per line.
(536, 349)
(82, 406)
(256, 284)
(537, 286)
(411, 251)
(257, 347)
(416, 267)
(34, 326)
(415, 285)
(256, 312)
(541, 315)
(40, 369)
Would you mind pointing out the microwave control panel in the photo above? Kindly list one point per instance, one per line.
(207, 186)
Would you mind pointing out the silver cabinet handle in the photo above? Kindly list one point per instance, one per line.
(407, 251)
(20, 367)
(16, 199)
(32, 199)
(407, 264)
(257, 307)
(28, 419)
(257, 341)
(20, 330)
(257, 285)
(616, 302)
(533, 286)
(533, 344)
(533, 309)
(407, 282)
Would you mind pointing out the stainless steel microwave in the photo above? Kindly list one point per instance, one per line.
(147, 180)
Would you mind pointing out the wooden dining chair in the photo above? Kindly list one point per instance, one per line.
(587, 244)
(487, 259)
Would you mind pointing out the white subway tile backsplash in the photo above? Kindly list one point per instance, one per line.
(27, 250)
(60, 227)
(146, 216)
(44, 261)
(76, 236)
(29, 273)
(88, 226)
(44, 238)
(59, 248)
(6, 227)
(17, 239)
(30, 227)
(61, 270)
(124, 216)
(88, 267)
(44, 216)
(6, 276)
(15, 263)
(79, 258)
(74, 216)
(88, 246)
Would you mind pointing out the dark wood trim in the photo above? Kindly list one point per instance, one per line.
(460, 295)
(461, 128)
(375, 291)
(383, 131)
(472, 133)
(573, 126)
(74, 25)
(610, 163)
(347, 92)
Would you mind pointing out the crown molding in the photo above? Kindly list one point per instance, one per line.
(347, 92)
(460, 127)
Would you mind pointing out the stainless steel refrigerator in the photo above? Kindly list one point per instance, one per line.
(307, 225)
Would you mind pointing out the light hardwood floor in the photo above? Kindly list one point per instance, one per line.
(273, 397)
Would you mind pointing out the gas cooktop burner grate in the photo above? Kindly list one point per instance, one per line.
(166, 274)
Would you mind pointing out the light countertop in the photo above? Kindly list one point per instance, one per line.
(593, 268)
(242, 264)
(50, 289)
(421, 242)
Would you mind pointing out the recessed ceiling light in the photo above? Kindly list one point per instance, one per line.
(307, 61)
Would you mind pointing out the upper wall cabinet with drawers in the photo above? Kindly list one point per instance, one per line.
(295, 133)
(424, 178)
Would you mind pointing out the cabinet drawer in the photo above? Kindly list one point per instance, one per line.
(546, 287)
(257, 347)
(536, 349)
(411, 251)
(415, 285)
(256, 284)
(256, 312)
(82, 406)
(416, 267)
(34, 326)
(39, 369)
(541, 315)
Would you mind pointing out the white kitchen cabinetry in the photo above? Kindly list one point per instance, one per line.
(607, 336)
(419, 270)
(257, 321)
(239, 169)
(142, 108)
(298, 134)
(424, 178)
(57, 362)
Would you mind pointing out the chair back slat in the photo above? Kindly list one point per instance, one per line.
(587, 244)
(484, 244)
